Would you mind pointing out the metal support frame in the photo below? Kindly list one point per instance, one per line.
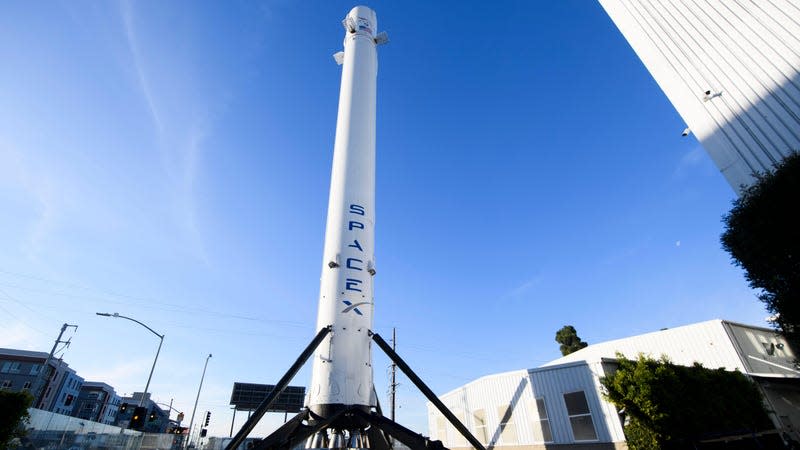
(305, 424)
(287, 378)
(426, 391)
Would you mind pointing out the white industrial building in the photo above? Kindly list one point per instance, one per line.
(561, 403)
(730, 69)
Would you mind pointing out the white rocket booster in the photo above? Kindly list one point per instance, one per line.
(342, 368)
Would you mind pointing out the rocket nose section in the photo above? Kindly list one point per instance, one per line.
(362, 20)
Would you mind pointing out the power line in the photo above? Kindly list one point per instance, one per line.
(142, 301)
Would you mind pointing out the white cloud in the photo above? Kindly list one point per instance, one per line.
(691, 161)
(44, 192)
(179, 135)
(525, 287)
(17, 335)
(136, 59)
(127, 373)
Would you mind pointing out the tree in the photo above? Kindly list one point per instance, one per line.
(668, 406)
(13, 413)
(569, 340)
(763, 237)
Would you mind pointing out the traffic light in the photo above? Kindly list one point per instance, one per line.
(68, 400)
(137, 420)
(208, 417)
(152, 416)
(123, 408)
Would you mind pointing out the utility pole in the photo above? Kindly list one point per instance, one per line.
(38, 388)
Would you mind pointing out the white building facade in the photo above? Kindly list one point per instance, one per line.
(561, 403)
(731, 70)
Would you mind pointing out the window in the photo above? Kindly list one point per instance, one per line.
(458, 439)
(580, 418)
(26, 386)
(10, 367)
(540, 425)
(6, 384)
(441, 429)
(508, 431)
(35, 369)
(479, 425)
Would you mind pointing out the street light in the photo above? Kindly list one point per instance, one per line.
(160, 336)
(191, 421)
(179, 419)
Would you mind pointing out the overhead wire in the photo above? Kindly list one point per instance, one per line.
(141, 301)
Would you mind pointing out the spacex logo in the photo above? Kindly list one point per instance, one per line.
(354, 307)
(354, 261)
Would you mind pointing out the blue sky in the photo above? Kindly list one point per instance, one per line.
(170, 161)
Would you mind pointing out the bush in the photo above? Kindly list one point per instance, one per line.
(13, 414)
(671, 406)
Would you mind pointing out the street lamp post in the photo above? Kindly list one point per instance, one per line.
(161, 341)
(191, 421)
(178, 419)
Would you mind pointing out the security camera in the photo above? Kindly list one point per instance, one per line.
(710, 94)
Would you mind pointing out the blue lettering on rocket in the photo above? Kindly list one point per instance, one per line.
(351, 283)
(354, 262)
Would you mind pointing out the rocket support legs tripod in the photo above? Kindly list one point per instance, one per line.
(303, 425)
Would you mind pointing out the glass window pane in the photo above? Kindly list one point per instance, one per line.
(441, 433)
(509, 434)
(504, 414)
(457, 439)
(546, 434)
(583, 428)
(479, 421)
(508, 431)
(576, 403)
(541, 409)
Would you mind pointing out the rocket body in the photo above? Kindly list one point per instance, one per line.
(342, 373)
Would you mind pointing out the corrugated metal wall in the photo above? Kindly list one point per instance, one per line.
(704, 342)
(491, 395)
(715, 344)
(553, 382)
(730, 68)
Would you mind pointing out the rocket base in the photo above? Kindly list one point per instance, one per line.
(347, 426)
(321, 434)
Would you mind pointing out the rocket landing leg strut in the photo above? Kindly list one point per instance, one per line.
(305, 426)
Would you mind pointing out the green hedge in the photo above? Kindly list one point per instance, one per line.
(670, 406)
